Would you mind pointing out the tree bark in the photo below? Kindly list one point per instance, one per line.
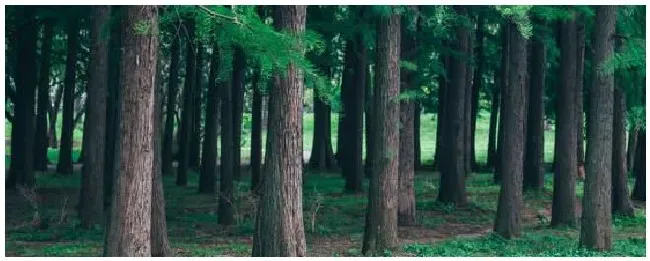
(227, 160)
(381, 223)
(494, 113)
(194, 156)
(638, 193)
(344, 151)
(130, 228)
(477, 86)
(370, 145)
(65, 153)
(503, 84)
(406, 198)
(188, 110)
(172, 93)
(534, 156)
(40, 137)
(256, 132)
(208, 176)
(279, 225)
(453, 168)
(92, 211)
(621, 203)
(631, 145)
(354, 148)
(53, 115)
(113, 112)
(417, 113)
(596, 228)
(510, 206)
(238, 82)
(580, 67)
(21, 169)
(467, 130)
(441, 112)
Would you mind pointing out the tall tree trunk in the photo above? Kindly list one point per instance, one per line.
(130, 227)
(238, 82)
(226, 179)
(442, 81)
(21, 170)
(256, 130)
(208, 173)
(65, 153)
(370, 144)
(113, 111)
(566, 166)
(406, 198)
(417, 113)
(172, 92)
(354, 177)
(188, 109)
(639, 168)
(621, 203)
(510, 206)
(492, 131)
(92, 211)
(631, 145)
(503, 84)
(534, 155)
(40, 136)
(53, 115)
(159, 239)
(453, 168)
(381, 223)
(477, 86)
(194, 157)
(279, 225)
(596, 228)
(580, 67)
(346, 116)
(469, 67)
(317, 159)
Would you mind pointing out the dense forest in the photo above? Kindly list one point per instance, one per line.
(325, 131)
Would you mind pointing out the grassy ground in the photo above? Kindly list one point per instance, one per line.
(333, 220)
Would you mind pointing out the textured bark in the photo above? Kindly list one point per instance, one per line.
(453, 168)
(238, 81)
(64, 165)
(564, 180)
(208, 175)
(21, 169)
(441, 113)
(370, 145)
(130, 228)
(40, 136)
(631, 146)
(580, 67)
(172, 93)
(417, 113)
(256, 130)
(381, 223)
(113, 111)
(503, 84)
(596, 228)
(92, 211)
(477, 86)
(621, 203)
(345, 140)
(406, 198)
(639, 168)
(159, 239)
(354, 148)
(194, 156)
(494, 113)
(467, 130)
(534, 155)
(185, 128)
(279, 225)
(226, 180)
(510, 206)
(52, 116)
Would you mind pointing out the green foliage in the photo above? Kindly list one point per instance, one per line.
(519, 15)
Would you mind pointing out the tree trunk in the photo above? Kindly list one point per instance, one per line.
(194, 156)
(417, 113)
(596, 228)
(453, 168)
(159, 239)
(130, 227)
(279, 225)
(238, 82)
(354, 177)
(65, 153)
(406, 199)
(92, 211)
(510, 206)
(381, 226)
(40, 137)
(52, 116)
(566, 164)
(469, 67)
(370, 145)
(580, 67)
(639, 168)
(208, 173)
(631, 146)
(317, 159)
(172, 93)
(227, 161)
(503, 84)
(346, 116)
(113, 111)
(621, 203)
(534, 156)
(188, 109)
(256, 132)
(477, 86)
(441, 113)
(492, 131)
(21, 170)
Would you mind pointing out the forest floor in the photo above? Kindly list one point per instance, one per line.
(334, 222)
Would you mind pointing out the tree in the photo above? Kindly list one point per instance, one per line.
(65, 153)
(113, 111)
(564, 181)
(279, 228)
(238, 81)
(503, 84)
(130, 223)
(638, 193)
(168, 140)
(354, 116)
(188, 109)
(227, 157)
(534, 155)
(477, 84)
(21, 170)
(580, 68)
(596, 228)
(208, 177)
(256, 132)
(194, 155)
(453, 168)
(92, 211)
(40, 137)
(406, 204)
(381, 213)
(509, 208)
(621, 203)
